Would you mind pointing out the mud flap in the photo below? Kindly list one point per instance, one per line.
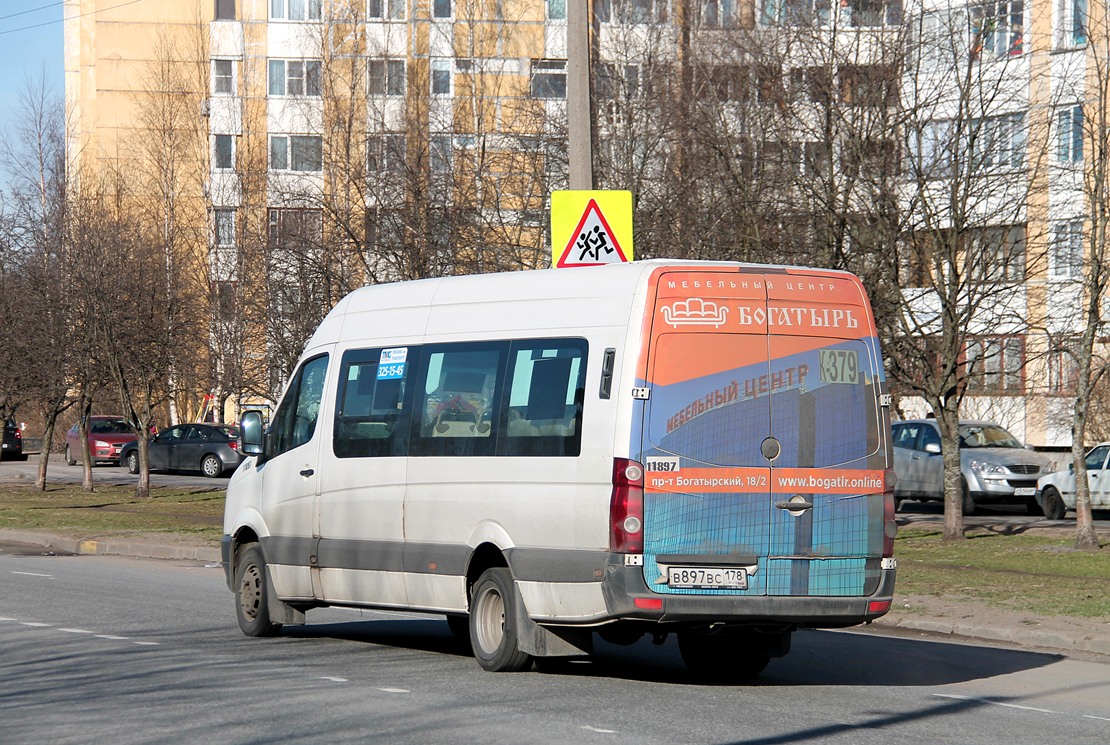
(546, 641)
(281, 612)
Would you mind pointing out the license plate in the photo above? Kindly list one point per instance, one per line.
(1025, 491)
(706, 578)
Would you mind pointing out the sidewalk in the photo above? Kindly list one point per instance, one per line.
(909, 615)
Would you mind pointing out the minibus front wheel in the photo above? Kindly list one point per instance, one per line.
(493, 627)
(252, 592)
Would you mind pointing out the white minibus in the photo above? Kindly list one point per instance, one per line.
(662, 446)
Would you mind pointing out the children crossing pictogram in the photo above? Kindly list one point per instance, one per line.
(593, 241)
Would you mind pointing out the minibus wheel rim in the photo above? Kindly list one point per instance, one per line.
(250, 591)
(490, 620)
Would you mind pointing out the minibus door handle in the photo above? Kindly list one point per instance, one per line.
(307, 472)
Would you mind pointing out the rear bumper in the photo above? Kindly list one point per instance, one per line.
(625, 584)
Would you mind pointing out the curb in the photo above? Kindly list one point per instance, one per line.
(1025, 638)
(142, 549)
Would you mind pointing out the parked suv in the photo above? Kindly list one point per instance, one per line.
(996, 467)
(13, 442)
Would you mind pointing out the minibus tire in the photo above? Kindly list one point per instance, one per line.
(493, 624)
(252, 593)
(720, 658)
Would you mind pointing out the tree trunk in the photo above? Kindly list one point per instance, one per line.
(47, 444)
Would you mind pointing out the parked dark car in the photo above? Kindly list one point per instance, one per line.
(13, 442)
(212, 449)
(107, 436)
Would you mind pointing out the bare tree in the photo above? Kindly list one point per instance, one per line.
(34, 155)
(1080, 255)
(968, 238)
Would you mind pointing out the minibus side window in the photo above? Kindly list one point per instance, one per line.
(456, 399)
(371, 409)
(546, 391)
(295, 420)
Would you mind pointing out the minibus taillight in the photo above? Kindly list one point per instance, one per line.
(890, 522)
(626, 508)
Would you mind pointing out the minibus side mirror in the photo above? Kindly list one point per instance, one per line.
(252, 436)
(933, 448)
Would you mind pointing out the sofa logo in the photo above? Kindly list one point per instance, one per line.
(695, 312)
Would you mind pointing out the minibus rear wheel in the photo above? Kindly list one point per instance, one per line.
(493, 624)
(252, 592)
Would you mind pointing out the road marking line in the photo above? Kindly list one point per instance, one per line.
(598, 729)
(113, 637)
(75, 631)
(1092, 716)
(147, 644)
(333, 679)
(394, 690)
(35, 574)
(995, 703)
(5, 618)
(35, 625)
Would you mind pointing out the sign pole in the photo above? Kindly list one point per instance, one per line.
(579, 134)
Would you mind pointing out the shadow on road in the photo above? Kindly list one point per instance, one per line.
(818, 657)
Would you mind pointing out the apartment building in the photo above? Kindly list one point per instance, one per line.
(337, 142)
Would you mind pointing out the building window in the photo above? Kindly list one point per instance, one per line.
(223, 155)
(630, 11)
(441, 154)
(294, 228)
(296, 153)
(225, 10)
(223, 228)
(295, 10)
(223, 300)
(1063, 367)
(387, 9)
(1065, 258)
(1001, 142)
(556, 10)
(441, 77)
(1069, 135)
(441, 8)
(931, 150)
(385, 153)
(1071, 18)
(549, 78)
(994, 364)
(997, 29)
(294, 77)
(997, 254)
(387, 77)
(223, 76)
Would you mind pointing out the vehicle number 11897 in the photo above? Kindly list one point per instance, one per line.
(732, 578)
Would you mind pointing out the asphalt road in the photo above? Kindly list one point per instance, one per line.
(99, 648)
(59, 473)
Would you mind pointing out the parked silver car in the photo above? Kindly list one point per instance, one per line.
(996, 468)
(1056, 491)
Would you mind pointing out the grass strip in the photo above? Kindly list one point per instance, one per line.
(1038, 574)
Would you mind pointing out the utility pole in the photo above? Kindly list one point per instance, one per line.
(579, 126)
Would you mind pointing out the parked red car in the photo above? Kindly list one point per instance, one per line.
(107, 436)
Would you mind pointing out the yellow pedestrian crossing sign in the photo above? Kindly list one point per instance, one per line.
(590, 228)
